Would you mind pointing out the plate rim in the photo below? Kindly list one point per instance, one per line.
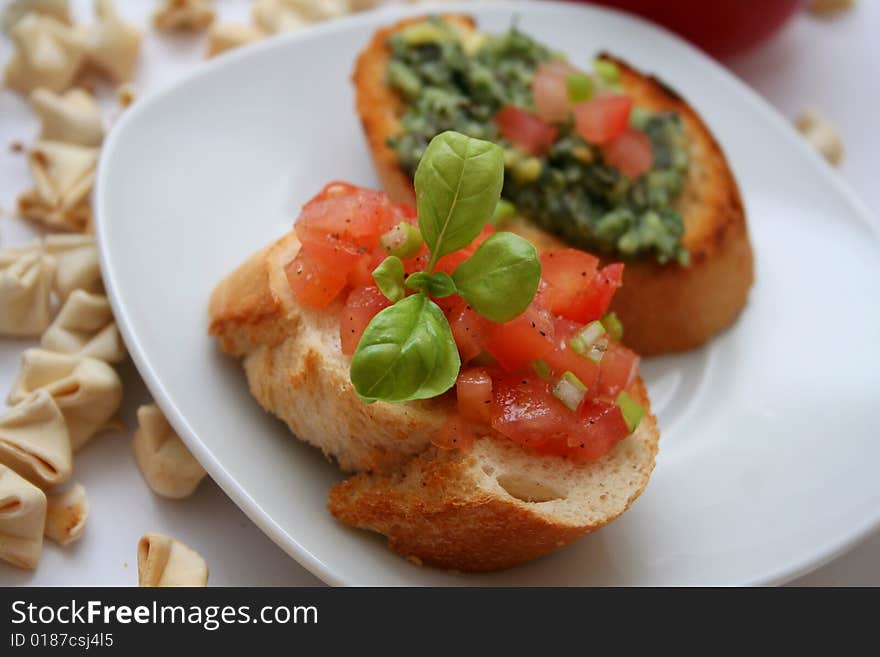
(285, 540)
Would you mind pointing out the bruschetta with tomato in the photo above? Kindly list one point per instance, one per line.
(606, 160)
(476, 385)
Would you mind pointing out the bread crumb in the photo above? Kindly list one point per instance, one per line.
(16, 147)
(414, 559)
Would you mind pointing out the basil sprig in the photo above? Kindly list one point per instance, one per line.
(407, 351)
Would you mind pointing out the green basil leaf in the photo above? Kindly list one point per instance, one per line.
(458, 184)
(500, 280)
(406, 352)
(420, 280)
(439, 284)
(389, 278)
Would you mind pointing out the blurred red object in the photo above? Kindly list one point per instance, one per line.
(720, 28)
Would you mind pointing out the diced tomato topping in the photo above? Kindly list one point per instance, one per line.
(362, 272)
(334, 189)
(563, 358)
(340, 229)
(617, 370)
(569, 275)
(603, 427)
(355, 218)
(550, 90)
(456, 433)
(629, 152)
(362, 305)
(316, 276)
(470, 330)
(602, 118)
(403, 212)
(526, 412)
(474, 391)
(523, 340)
(605, 284)
(531, 133)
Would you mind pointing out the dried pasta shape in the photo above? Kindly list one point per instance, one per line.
(87, 390)
(66, 514)
(22, 516)
(72, 117)
(183, 15)
(114, 46)
(165, 561)
(320, 10)
(77, 265)
(63, 177)
(85, 326)
(167, 465)
(34, 441)
(227, 36)
(18, 9)
(822, 134)
(363, 5)
(47, 54)
(277, 16)
(26, 276)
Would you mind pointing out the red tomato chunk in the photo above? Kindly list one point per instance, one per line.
(529, 132)
(603, 118)
(520, 342)
(317, 277)
(474, 392)
(470, 330)
(362, 305)
(629, 152)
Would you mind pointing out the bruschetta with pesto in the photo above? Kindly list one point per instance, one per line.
(600, 158)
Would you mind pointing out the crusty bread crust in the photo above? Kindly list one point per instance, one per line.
(492, 507)
(472, 511)
(665, 308)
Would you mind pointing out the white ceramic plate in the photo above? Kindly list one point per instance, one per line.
(768, 454)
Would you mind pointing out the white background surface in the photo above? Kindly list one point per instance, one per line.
(825, 63)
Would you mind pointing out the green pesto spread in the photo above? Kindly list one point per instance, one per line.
(452, 81)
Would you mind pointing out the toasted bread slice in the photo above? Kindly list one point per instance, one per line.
(491, 507)
(664, 308)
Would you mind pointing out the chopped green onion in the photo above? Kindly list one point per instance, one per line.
(542, 369)
(608, 71)
(631, 409)
(583, 340)
(504, 211)
(570, 390)
(613, 325)
(595, 352)
(580, 87)
(404, 240)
